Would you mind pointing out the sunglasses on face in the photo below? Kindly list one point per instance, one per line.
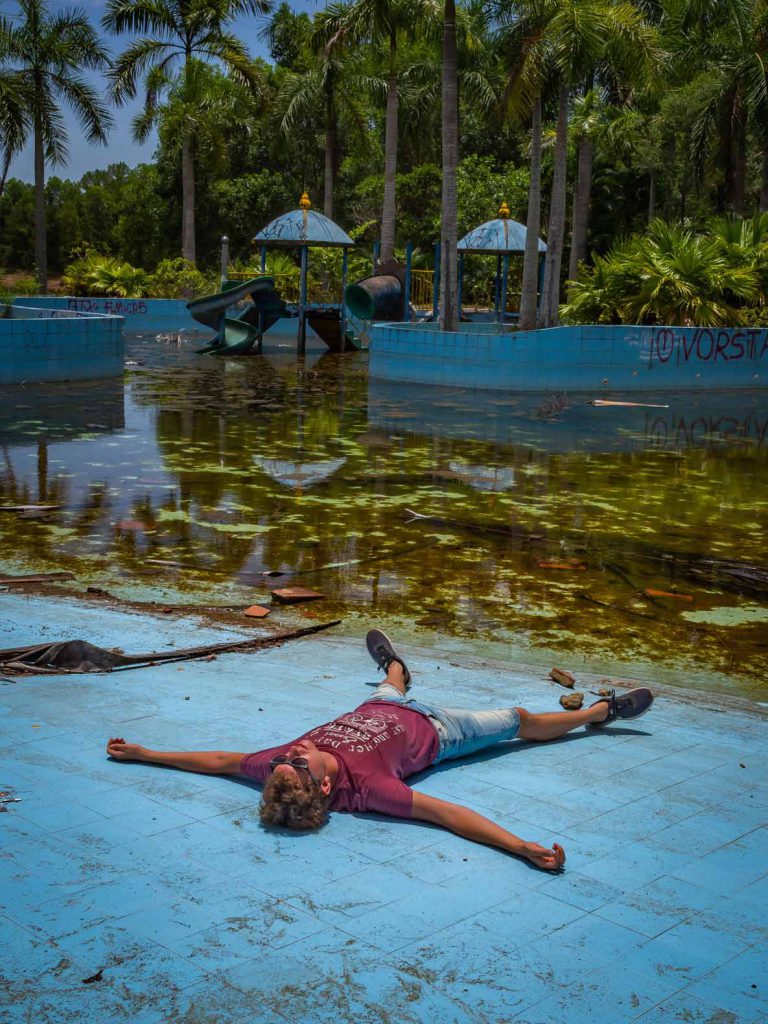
(295, 762)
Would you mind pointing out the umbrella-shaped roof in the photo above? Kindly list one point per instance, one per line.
(303, 227)
(497, 237)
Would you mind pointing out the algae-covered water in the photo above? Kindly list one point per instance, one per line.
(193, 479)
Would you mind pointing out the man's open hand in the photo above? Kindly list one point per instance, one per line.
(542, 857)
(122, 751)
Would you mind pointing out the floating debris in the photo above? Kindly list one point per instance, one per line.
(578, 566)
(572, 701)
(256, 611)
(39, 577)
(626, 405)
(651, 592)
(292, 595)
(134, 525)
(563, 677)
(29, 511)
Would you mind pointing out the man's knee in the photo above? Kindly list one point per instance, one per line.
(525, 719)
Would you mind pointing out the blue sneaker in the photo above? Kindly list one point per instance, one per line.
(383, 653)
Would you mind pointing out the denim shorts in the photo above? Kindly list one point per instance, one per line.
(460, 732)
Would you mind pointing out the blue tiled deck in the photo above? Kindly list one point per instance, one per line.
(167, 883)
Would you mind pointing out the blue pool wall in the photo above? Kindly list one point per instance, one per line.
(141, 316)
(44, 344)
(594, 358)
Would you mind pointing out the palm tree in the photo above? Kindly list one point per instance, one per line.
(176, 34)
(14, 106)
(199, 108)
(565, 40)
(328, 87)
(530, 283)
(520, 35)
(449, 207)
(733, 49)
(384, 23)
(45, 54)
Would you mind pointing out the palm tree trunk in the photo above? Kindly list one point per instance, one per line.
(330, 155)
(530, 286)
(764, 178)
(188, 200)
(390, 160)
(41, 249)
(448, 210)
(550, 299)
(739, 166)
(4, 172)
(581, 197)
(651, 196)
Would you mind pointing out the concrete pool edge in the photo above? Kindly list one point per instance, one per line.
(39, 344)
(596, 358)
(139, 315)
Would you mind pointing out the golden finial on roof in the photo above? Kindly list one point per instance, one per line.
(504, 212)
(304, 202)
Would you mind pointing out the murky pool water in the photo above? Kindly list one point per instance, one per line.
(621, 540)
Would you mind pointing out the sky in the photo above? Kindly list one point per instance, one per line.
(82, 155)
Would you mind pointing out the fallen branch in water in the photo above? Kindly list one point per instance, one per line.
(615, 607)
(405, 549)
(37, 577)
(518, 532)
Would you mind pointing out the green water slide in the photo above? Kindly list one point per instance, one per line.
(237, 334)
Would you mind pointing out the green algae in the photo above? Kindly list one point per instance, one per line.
(743, 615)
(182, 465)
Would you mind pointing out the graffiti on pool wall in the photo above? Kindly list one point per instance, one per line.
(706, 345)
(109, 307)
(694, 431)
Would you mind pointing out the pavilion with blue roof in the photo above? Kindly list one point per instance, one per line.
(302, 229)
(501, 238)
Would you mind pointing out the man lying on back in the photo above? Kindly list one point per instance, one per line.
(358, 761)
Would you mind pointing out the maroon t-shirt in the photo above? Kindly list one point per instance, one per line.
(376, 747)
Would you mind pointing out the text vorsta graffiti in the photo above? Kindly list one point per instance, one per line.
(707, 345)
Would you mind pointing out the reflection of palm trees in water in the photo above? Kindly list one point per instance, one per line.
(213, 428)
(32, 539)
(19, 492)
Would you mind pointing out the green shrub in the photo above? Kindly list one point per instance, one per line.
(93, 273)
(26, 286)
(674, 275)
(177, 278)
(755, 316)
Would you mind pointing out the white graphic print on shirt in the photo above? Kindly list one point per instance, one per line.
(357, 733)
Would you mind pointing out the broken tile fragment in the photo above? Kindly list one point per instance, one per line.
(256, 611)
(563, 677)
(292, 595)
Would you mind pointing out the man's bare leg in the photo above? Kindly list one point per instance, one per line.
(396, 676)
(553, 724)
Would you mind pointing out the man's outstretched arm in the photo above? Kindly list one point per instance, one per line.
(471, 825)
(209, 762)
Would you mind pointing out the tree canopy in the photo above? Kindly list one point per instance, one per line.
(647, 112)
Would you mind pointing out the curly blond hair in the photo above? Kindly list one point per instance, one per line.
(286, 803)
